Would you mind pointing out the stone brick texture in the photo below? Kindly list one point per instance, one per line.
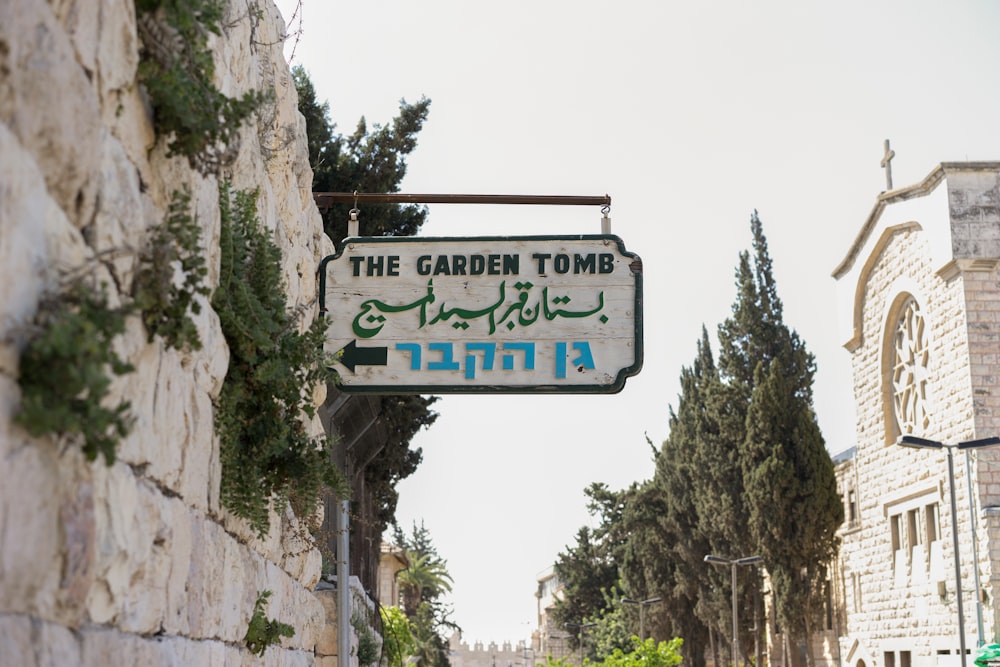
(137, 563)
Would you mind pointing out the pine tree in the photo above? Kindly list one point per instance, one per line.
(789, 488)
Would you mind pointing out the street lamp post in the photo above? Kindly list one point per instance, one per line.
(642, 606)
(734, 563)
(581, 627)
(923, 443)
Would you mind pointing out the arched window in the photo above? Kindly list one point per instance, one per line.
(907, 362)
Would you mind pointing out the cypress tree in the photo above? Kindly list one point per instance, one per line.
(789, 488)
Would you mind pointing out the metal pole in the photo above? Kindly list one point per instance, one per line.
(343, 584)
(981, 639)
(736, 634)
(325, 199)
(958, 567)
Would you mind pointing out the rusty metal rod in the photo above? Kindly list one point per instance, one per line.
(325, 199)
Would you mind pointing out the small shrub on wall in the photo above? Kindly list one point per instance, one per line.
(67, 368)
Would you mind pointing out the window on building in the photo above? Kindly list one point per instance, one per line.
(914, 530)
(856, 591)
(828, 604)
(907, 371)
(904, 659)
(852, 508)
(932, 521)
(889, 659)
(896, 531)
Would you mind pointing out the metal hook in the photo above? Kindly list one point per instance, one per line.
(352, 223)
(605, 220)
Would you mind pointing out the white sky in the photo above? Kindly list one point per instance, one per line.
(690, 115)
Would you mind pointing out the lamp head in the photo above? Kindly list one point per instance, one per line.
(982, 442)
(918, 443)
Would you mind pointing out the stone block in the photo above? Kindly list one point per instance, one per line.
(326, 644)
(38, 73)
(30, 543)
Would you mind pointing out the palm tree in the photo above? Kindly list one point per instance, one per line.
(424, 580)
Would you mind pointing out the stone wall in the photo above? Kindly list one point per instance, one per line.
(137, 563)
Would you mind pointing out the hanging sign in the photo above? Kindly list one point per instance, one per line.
(560, 314)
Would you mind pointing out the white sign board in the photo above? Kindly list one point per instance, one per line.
(483, 314)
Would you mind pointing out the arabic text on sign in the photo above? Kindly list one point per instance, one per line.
(371, 317)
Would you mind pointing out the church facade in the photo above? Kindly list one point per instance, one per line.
(919, 293)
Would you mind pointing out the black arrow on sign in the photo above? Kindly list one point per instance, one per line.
(352, 355)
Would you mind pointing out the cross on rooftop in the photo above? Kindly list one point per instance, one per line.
(887, 165)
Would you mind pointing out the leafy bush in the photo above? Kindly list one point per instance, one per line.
(64, 372)
(273, 369)
(647, 653)
(397, 636)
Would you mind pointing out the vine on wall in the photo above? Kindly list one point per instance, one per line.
(69, 364)
(164, 300)
(176, 67)
(273, 368)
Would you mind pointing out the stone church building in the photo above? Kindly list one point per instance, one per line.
(919, 292)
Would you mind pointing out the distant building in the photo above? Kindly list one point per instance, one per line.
(391, 562)
(551, 639)
(461, 654)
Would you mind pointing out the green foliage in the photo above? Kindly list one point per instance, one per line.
(790, 490)
(273, 369)
(589, 570)
(648, 653)
(177, 69)
(558, 662)
(366, 161)
(426, 578)
(744, 471)
(368, 646)
(262, 631)
(428, 616)
(428, 633)
(398, 642)
(403, 416)
(164, 304)
(66, 370)
(374, 164)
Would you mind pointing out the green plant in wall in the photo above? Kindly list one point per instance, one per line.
(176, 68)
(67, 368)
(165, 302)
(273, 367)
(368, 645)
(263, 631)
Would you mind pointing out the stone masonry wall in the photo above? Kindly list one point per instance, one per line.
(887, 603)
(136, 563)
